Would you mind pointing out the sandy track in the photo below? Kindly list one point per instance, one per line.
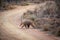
(10, 30)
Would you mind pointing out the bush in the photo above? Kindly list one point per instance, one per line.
(24, 4)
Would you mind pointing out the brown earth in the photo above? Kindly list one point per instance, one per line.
(10, 30)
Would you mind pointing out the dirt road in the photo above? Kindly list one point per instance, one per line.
(9, 26)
